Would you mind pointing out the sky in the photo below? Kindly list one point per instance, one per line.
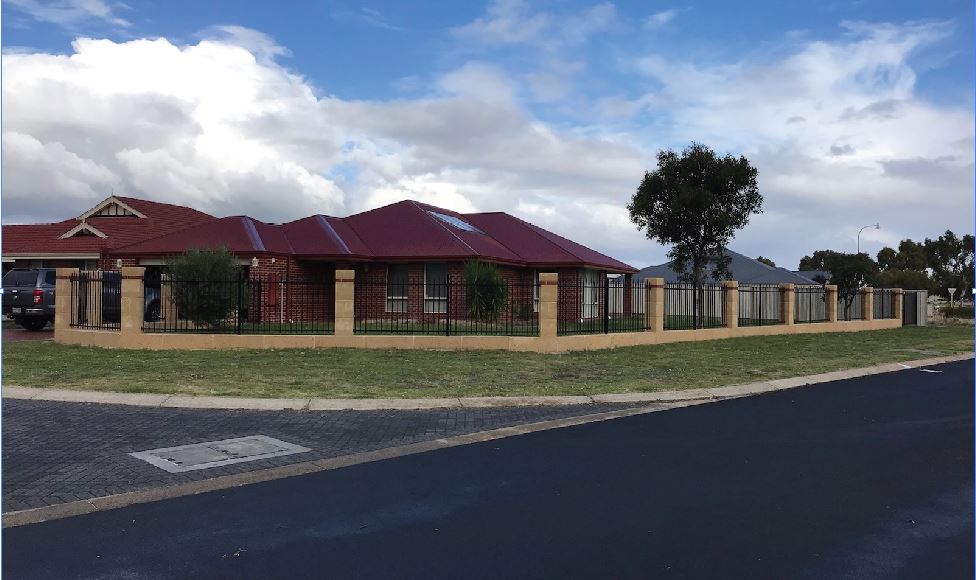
(854, 113)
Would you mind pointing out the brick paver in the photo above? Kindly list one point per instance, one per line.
(57, 452)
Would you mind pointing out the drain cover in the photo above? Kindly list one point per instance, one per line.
(217, 453)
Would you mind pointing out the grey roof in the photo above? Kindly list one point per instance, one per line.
(813, 274)
(744, 269)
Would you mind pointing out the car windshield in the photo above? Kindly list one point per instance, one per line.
(20, 278)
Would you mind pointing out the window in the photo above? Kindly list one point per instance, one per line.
(435, 288)
(455, 222)
(396, 287)
(535, 291)
(50, 278)
(591, 294)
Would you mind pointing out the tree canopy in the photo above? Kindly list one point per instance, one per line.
(695, 202)
(933, 265)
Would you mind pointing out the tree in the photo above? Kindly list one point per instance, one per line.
(887, 258)
(487, 291)
(205, 285)
(907, 279)
(766, 261)
(695, 202)
(951, 260)
(819, 260)
(849, 272)
(911, 256)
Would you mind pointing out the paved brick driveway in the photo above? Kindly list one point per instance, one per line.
(19, 334)
(60, 452)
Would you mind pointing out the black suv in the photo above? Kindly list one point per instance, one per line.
(28, 296)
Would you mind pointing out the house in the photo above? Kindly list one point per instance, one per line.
(405, 255)
(742, 268)
(86, 241)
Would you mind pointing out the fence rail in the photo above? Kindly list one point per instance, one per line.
(96, 300)
(810, 304)
(884, 303)
(246, 305)
(760, 304)
(688, 307)
(447, 308)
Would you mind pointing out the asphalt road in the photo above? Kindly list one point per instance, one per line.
(866, 478)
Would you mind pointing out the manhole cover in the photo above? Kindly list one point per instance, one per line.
(217, 453)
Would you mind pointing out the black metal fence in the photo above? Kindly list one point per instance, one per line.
(810, 304)
(96, 299)
(850, 306)
(600, 305)
(884, 303)
(246, 305)
(450, 308)
(687, 306)
(760, 304)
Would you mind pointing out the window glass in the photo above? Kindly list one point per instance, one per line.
(591, 294)
(435, 287)
(397, 276)
(50, 277)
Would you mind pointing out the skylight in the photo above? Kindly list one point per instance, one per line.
(455, 222)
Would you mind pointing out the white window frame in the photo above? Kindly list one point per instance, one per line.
(591, 294)
(535, 291)
(435, 304)
(402, 301)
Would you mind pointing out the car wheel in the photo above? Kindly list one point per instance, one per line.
(152, 312)
(33, 324)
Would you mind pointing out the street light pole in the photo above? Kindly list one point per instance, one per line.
(876, 226)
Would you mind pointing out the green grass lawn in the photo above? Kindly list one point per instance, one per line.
(391, 373)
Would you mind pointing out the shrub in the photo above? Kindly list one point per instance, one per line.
(487, 291)
(957, 311)
(205, 285)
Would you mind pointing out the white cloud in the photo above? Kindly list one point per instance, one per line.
(479, 81)
(221, 126)
(660, 19)
(69, 13)
(512, 22)
(837, 131)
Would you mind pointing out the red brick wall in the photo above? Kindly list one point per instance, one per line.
(371, 300)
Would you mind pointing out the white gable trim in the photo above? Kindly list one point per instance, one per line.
(108, 201)
(82, 226)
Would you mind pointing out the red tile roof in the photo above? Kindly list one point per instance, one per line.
(161, 218)
(408, 231)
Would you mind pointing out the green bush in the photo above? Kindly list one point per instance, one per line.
(487, 291)
(205, 285)
(957, 311)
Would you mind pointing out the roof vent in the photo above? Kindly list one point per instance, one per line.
(455, 222)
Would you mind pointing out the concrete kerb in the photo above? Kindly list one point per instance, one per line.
(314, 404)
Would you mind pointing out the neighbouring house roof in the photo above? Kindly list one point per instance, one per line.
(407, 230)
(743, 269)
(114, 222)
(813, 274)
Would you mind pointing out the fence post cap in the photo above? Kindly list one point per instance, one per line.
(548, 277)
(787, 286)
(133, 270)
(730, 283)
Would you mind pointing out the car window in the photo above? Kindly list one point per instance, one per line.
(20, 278)
(50, 277)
